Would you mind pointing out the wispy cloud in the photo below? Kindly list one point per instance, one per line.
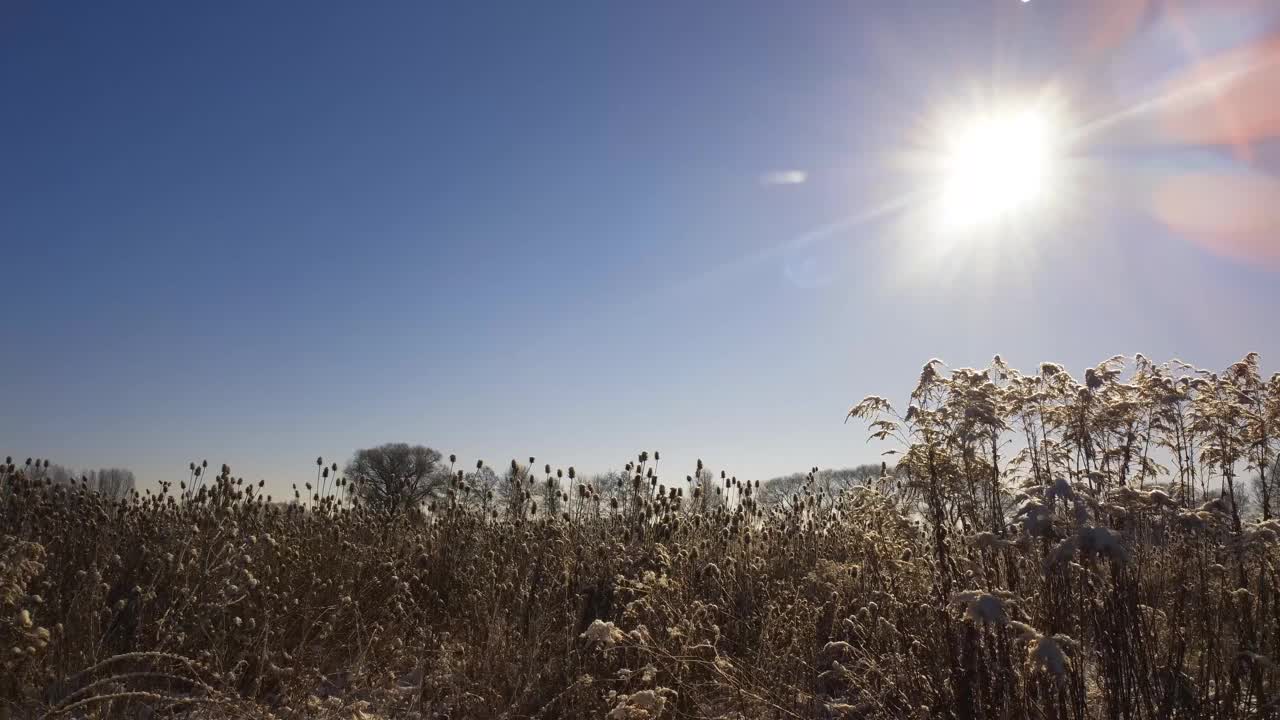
(784, 177)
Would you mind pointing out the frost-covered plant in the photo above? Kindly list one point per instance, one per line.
(1043, 547)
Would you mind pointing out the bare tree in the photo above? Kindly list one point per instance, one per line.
(776, 491)
(831, 482)
(481, 488)
(397, 476)
(60, 475)
(114, 483)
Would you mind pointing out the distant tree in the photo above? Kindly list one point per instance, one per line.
(60, 475)
(621, 489)
(832, 482)
(486, 487)
(707, 491)
(775, 491)
(514, 489)
(550, 491)
(397, 476)
(114, 483)
(836, 481)
(611, 484)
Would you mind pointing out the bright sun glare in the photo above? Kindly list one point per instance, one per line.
(997, 167)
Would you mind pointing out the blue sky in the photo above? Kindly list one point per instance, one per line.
(261, 232)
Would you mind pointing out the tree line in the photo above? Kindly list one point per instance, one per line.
(395, 477)
(115, 483)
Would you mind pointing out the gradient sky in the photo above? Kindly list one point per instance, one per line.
(261, 232)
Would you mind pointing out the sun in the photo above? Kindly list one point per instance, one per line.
(997, 167)
(990, 182)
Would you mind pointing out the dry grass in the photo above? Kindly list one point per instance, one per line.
(1044, 548)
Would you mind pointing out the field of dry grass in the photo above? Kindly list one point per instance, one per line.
(1043, 547)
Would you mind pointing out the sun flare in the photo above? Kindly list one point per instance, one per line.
(997, 167)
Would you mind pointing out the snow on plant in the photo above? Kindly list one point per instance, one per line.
(603, 634)
(1042, 547)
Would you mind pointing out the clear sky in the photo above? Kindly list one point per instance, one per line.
(258, 232)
